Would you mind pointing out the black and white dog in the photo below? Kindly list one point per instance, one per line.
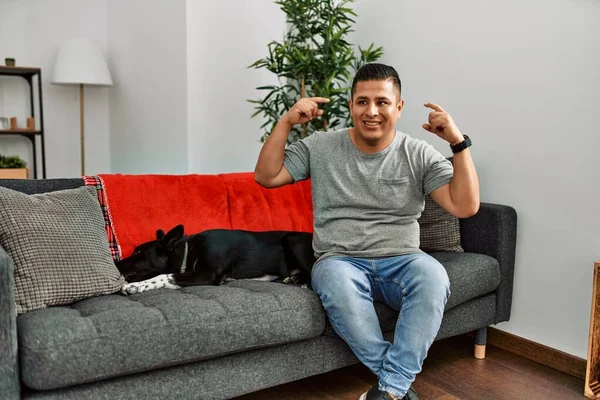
(214, 256)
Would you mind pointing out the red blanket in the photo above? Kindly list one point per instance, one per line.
(135, 206)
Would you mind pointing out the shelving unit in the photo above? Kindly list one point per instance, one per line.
(31, 75)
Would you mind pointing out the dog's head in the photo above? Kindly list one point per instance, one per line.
(151, 258)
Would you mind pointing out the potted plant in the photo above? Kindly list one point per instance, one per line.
(9, 62)
(12, 167)
(314, 59)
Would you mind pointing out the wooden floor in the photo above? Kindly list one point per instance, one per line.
(450, 372)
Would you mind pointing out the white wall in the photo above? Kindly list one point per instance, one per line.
(522, 79)
(225, 37)
(148, 129)
(181, 83)
(157, 51)
(32, 31)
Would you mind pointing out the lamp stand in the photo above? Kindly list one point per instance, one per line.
(82, 129)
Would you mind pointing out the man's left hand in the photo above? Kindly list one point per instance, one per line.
(442, 124)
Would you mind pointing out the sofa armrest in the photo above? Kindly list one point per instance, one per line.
(493, 231)
(9, 364)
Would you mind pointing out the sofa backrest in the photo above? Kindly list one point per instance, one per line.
(141, 204)
(32, 186)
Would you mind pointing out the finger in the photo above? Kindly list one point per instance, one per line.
(308, 111)
(306, 107)
(435, 115)
(438, 114)
(319, 99)
(427, 127)
(438, 125)
(435, 107)
(437, 118)
(303, 111)
(314, 108)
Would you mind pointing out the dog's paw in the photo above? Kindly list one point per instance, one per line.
(294, 279)
(131, 288)
(169, 282)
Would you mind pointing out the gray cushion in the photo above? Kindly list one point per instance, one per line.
(440, 230)
(115, 335)
(59, 247)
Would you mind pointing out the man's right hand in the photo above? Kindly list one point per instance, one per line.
(304, 110)
(269, 171)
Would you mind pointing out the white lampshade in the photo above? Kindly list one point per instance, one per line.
(81, 61)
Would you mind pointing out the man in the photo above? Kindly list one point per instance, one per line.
(369, 184)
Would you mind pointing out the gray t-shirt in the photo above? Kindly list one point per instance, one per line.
(366, 205)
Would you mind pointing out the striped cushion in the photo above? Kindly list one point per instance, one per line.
(440, 230)
(58, 243)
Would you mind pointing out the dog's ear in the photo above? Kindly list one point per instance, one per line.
(160, 234)
(172, 237)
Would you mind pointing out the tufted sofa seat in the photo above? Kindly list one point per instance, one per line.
(114, 335)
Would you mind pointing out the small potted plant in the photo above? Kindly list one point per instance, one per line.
(9, 62)
(13, 167)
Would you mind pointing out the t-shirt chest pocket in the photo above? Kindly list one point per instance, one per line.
(393, 190)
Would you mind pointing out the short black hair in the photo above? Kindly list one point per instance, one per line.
(376, 72)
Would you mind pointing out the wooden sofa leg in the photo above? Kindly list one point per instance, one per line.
(480, 341)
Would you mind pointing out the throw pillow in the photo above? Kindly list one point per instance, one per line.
(440, 230)
(59, 247)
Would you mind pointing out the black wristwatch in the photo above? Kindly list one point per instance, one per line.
(457, 148)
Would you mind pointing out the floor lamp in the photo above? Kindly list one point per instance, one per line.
(81, 62)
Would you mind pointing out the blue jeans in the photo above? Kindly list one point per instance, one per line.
(416, 285)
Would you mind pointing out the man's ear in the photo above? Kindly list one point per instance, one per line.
(400, 106)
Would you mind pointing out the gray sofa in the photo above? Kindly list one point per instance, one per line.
(221, 342)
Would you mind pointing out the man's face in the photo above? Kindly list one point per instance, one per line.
(375, 108)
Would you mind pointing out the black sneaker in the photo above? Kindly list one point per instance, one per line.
(411, 394)
(375, 394)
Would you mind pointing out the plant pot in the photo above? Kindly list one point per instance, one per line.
(9, 62)
(14, 173)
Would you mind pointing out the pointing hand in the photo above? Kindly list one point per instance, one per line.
(304, 110)
(442, 124)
